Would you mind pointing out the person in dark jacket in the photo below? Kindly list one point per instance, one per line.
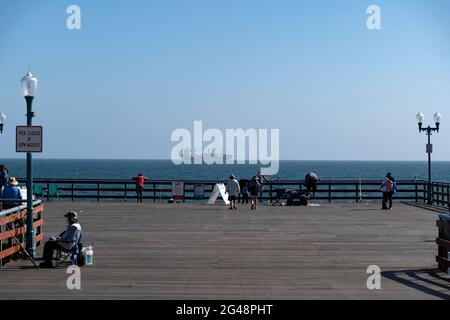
(67, 241)
(4, 176)
(254, 187)
(243, 196)
(387, 187)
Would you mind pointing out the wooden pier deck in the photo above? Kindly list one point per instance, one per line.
(195, 251)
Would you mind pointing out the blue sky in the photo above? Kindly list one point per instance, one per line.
(137, 70)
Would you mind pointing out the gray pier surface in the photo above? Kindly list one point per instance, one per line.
(196, 251)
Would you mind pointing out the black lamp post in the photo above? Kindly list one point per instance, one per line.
(429, 131)
(29, 87)
(2, 121)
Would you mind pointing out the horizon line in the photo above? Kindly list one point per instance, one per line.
(156, 159)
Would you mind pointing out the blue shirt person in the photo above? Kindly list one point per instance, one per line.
(11, 192)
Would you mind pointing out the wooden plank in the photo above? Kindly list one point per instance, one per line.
(443, 243)
(195, 251)
(444, 262)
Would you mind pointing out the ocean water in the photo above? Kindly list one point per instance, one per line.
(165, 169)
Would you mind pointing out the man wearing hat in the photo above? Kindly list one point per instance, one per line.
(11, 192)
(67, 241)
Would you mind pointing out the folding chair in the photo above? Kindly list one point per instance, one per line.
(69, 256)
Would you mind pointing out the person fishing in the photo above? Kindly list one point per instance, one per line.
(67, 241)
(311, 180)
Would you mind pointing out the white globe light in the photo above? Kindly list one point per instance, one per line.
(420, 117)
(29, 85)
(437, 117)
(2, 118)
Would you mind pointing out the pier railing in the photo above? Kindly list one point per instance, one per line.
(441, 194)
(13, 226)
(161, 190)
(443, 242)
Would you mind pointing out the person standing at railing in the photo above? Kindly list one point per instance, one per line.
(261, 179)
(311, 180)
(139, 180)
(4, 176)
(394, 190)
(388, 190)
(11, 192)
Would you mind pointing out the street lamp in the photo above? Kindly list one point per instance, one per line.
(29, 87)
(2, 121)
(429, 131)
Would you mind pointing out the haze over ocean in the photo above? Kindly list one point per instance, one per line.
(165, 169)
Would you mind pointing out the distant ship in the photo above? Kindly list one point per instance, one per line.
(200, 157)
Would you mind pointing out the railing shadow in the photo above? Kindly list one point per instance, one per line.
(428, 281)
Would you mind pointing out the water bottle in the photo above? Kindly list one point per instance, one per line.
(89, 256)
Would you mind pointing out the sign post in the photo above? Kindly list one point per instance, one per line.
(29, 140)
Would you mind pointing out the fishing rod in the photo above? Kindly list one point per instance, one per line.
(20, 244)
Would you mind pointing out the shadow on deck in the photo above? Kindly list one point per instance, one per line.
(194, 251)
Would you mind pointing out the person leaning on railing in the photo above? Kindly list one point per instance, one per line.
(11, 192)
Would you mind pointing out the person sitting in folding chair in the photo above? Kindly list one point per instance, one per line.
(67, 242)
